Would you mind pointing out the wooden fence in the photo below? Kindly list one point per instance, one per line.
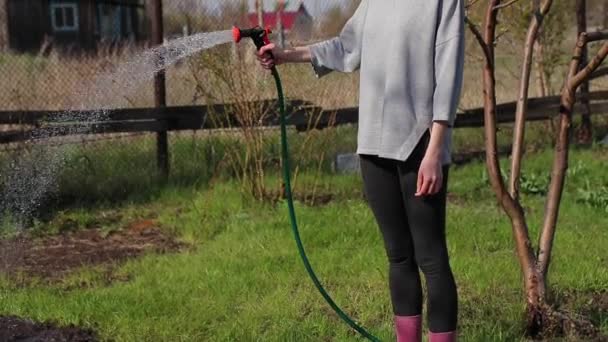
(302, 115)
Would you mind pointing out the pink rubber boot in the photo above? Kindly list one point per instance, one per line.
(443, 337)
(408, 328)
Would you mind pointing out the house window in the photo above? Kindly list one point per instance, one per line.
(64, 17)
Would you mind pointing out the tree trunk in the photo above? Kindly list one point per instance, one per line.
(542, 83)
(534, 283)
(542, 88)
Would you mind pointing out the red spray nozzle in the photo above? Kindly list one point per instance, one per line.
(236, 34)
(257, 34)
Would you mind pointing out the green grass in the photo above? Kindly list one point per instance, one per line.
(243, 281)
(111, 171)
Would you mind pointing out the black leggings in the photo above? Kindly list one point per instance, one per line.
(413, 229)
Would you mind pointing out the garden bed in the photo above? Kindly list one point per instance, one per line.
(17, 329)
(54, 257)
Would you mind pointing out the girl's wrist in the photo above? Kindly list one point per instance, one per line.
(433, 154)
(295, 55)
(435, 147)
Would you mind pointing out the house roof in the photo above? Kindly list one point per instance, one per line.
(290, 14)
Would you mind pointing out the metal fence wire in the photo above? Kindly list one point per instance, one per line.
(84, 57)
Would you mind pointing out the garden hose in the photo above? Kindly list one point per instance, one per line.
(260, 39)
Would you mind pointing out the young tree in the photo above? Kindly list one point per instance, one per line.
(534, 263)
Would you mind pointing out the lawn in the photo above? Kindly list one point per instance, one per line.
(240, 279)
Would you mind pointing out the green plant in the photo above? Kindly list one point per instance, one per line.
(534, 184)
(531, 183)
(8, 226)
(577, 170)
(595, 197)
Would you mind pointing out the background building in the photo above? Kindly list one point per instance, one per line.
(27, 24)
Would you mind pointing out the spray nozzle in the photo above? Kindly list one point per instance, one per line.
(257, 34)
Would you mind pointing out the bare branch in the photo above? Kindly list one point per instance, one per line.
(488, 54)
(560, 163)
(524, 92)
(471, 4)
(586, 72)
(505, 5)
(476, 57)
(500, 35)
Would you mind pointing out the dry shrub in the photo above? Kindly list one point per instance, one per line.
(229, 75)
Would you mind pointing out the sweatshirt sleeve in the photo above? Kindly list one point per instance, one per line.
(449, 61)
(342, 53)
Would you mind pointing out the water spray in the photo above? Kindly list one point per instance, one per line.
(259, 36)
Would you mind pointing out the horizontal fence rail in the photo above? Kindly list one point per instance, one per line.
(303, 116)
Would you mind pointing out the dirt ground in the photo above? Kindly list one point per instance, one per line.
(52, 258)
(575, 316)
(13, 329)
(593, 307)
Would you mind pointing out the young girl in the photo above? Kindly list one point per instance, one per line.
(411, 57)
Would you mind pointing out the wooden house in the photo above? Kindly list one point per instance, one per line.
(76, 24)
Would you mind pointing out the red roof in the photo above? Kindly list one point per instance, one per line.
(271, 19)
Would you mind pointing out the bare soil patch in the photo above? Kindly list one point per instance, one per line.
(52, 258)
(17, 329)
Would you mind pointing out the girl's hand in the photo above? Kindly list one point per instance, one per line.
(267, 60)
(430, 175)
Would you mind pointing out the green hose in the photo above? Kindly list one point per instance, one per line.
(292, 215)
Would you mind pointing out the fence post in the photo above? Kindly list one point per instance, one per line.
(259, 8)
(280, 26)
(584, 134)
(4, 41)
(160, 90)
(605, 18)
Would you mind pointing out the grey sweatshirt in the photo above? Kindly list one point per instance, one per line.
(411, 58)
